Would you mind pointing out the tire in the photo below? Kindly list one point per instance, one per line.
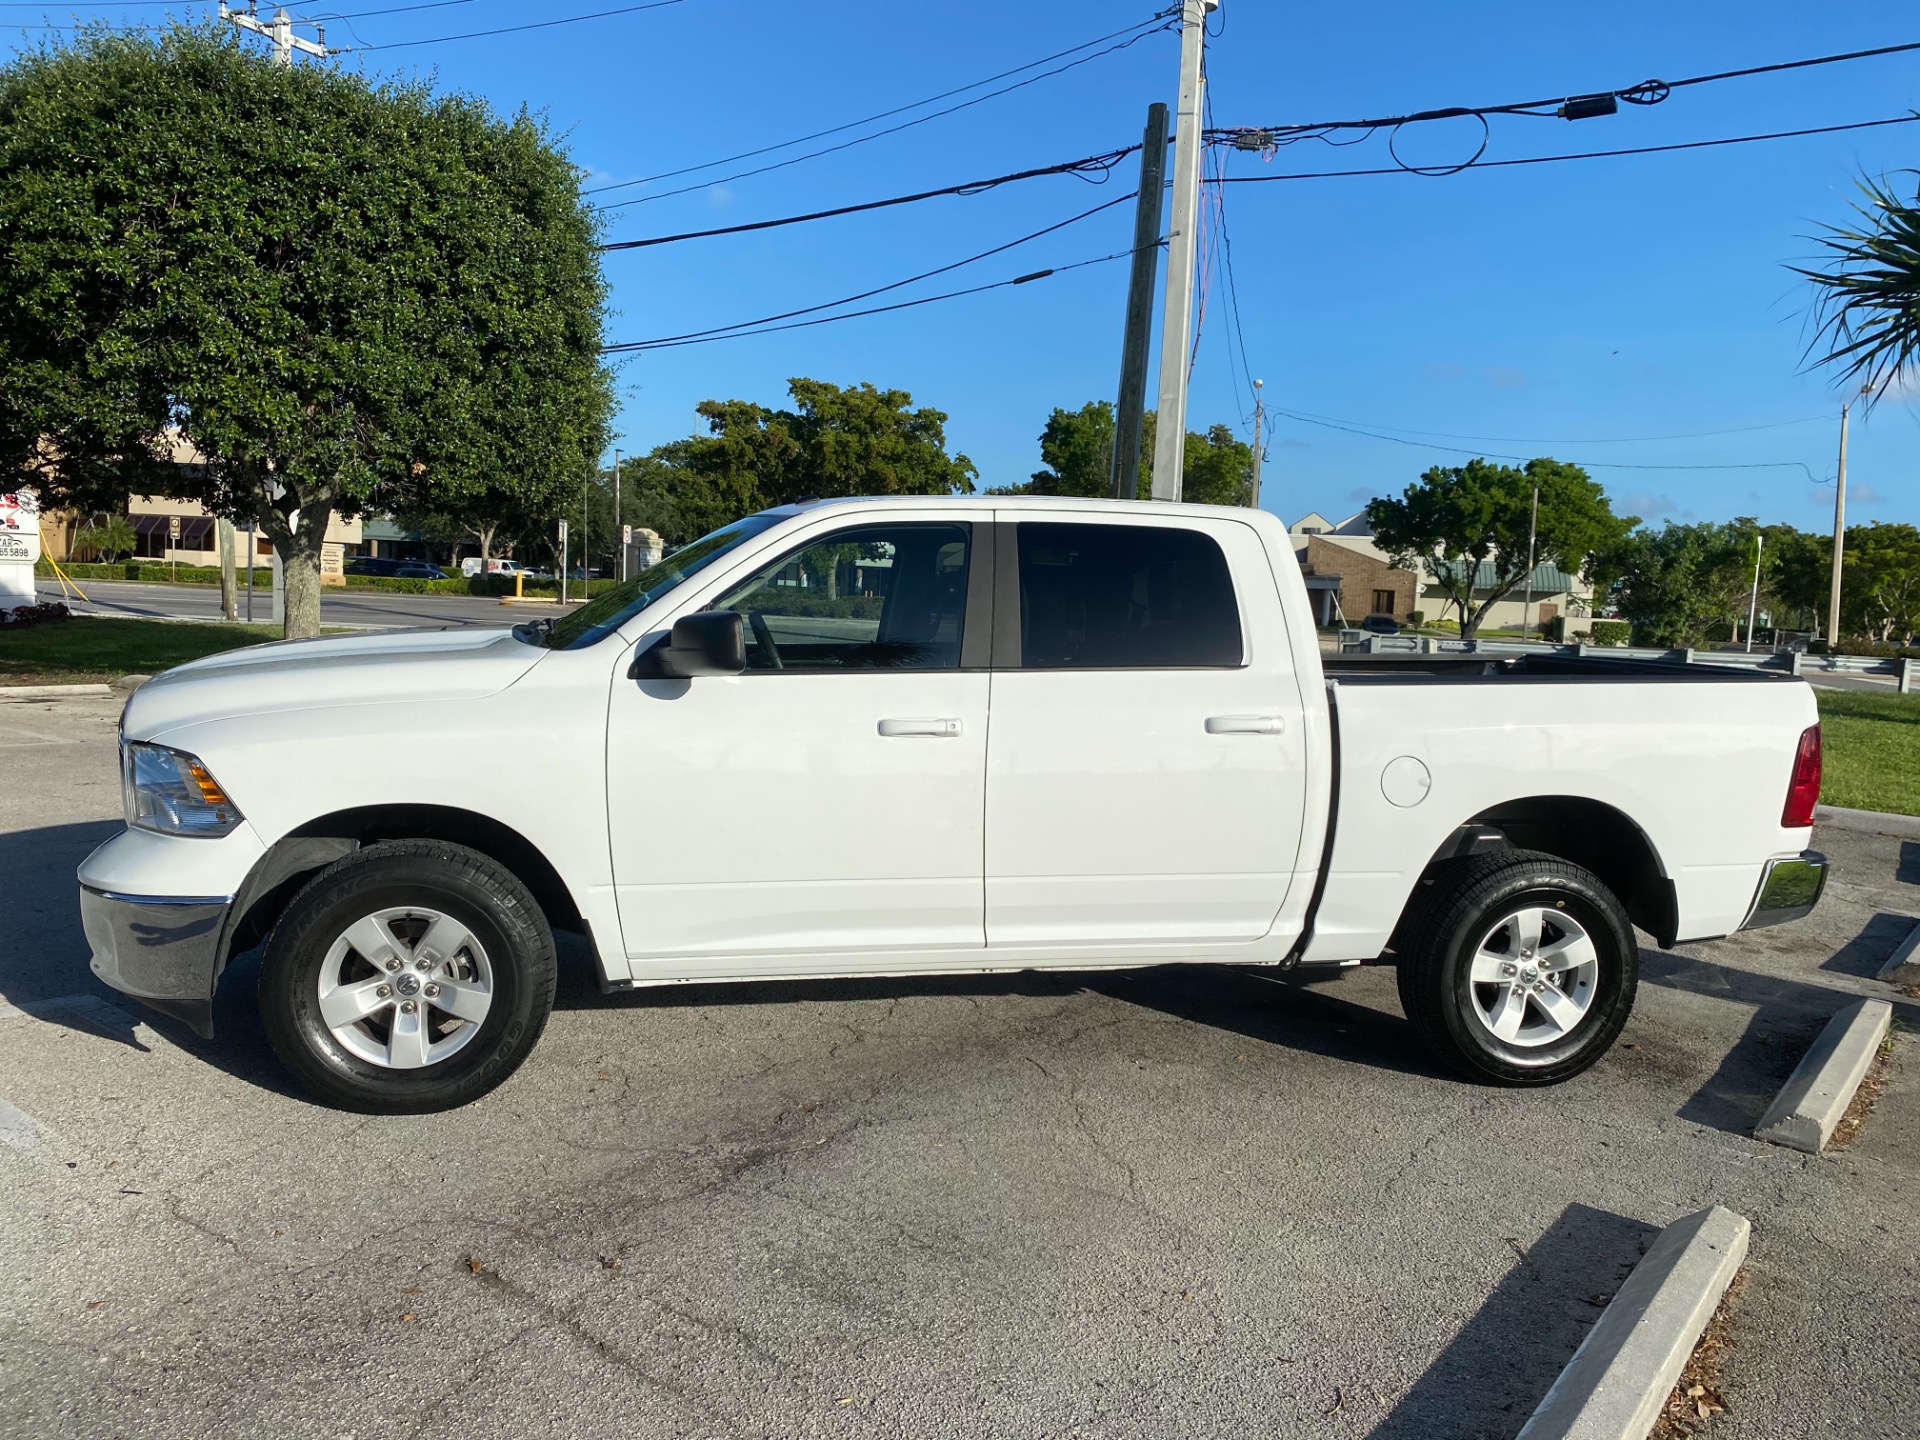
(1464, 956)
(414, 975)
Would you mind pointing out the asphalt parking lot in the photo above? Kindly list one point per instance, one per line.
(1171, 1203)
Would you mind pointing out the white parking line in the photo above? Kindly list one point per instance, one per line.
(30, 738)
(35, 1009)
(19, 1130)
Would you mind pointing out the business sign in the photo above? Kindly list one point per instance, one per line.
(173, 528)
(19, 547)
(333, 563)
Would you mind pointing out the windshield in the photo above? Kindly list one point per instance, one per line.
(607, 612)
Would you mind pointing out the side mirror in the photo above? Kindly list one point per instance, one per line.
(709, 642)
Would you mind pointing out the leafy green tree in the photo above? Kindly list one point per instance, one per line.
(1076, 449)
(1880, 581)
(107, 537)
(860, 440)
(341, 293)
(1460, 518)
(1867, 300)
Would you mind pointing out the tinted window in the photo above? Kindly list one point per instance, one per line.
(880, 597)
(611, 609)
(1124, 597)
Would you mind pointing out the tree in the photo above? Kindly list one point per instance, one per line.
(1679, 581)
(1867, 304)
(1461, 520)
(1880, 583)
(855, 441)
(341, 294)
(1076, 447)
(107, 537)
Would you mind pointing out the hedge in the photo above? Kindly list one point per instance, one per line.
(1871, 648)
(147, 570)
(1611, 632)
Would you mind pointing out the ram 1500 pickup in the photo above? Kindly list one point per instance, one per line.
(924, 736)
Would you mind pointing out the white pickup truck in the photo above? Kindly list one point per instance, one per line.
(925, 736)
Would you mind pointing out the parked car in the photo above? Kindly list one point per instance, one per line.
(471, 566)
(417, 570)
(789, 720)
(371, 565)
(1380, 625)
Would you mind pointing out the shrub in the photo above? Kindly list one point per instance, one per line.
(47, 612)
(1873, 648)
(1556, 629)
(1611, 632)
(1416, 618)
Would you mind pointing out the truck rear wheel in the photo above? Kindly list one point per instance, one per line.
(414, 975)
(1517, 968)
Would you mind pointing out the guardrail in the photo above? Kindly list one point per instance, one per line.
(1903, 672)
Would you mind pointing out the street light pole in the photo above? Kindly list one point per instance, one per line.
(1533, 529)
(1753, 601)
(1259, 414)
(1839, 534)
(619, 534)
(1176, 316)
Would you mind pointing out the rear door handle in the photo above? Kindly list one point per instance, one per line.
(942, 728)
(1246, 724)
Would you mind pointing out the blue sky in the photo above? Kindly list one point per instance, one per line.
(1559, 307)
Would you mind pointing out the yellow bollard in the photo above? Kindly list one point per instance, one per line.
(519, 584)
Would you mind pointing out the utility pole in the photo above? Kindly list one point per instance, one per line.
(586, 551)
(1176, 316)
(1753, 601)
(1259, 414)
(619, 534)
(1533, 529)
(1138, 334)
(229, 595)
(1839, 533)
(279, 30)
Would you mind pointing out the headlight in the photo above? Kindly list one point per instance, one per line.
(171, 793)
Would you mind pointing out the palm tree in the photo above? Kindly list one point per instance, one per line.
(1867, 299)
(107, 537)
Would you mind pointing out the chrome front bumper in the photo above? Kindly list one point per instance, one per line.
(164, 951)
(1790, 887)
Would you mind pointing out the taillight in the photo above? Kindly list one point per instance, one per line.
(1803, 791)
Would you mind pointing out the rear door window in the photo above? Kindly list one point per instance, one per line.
(1123, 597)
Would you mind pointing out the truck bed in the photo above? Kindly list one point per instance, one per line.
(1364, 669)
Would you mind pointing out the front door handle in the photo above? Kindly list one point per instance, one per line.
(1246, 724)
(942, 728)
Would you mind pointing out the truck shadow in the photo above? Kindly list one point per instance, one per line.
(44, 969)
(1871, 948)
(1787, 1015)
(1287, 1010)
(1495, 1372)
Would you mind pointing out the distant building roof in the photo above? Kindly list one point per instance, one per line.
(1547, 579)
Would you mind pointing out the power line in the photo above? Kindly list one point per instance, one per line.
(637, 345)
(1647, 92)
(1581, 155)
(1494, 455)
(512, 29)
(1089, 168)
(720, 330)
(1239, 337)
(1601, 440)
(888, 114)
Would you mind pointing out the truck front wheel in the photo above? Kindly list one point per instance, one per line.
(413, 975)
(1517, 968)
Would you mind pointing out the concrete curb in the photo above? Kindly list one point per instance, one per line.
(1873, 822)
(54, 692)
(1907, 953)
(130, 683)
(1821, 1087)
(1620, 1377)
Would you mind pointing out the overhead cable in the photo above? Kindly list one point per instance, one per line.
(1027, 279)
(509, 29)
(1647, 92)
(1152, 24)
(1093, 168)
(1580, 155)
(718, 330)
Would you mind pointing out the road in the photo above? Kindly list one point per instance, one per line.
(377, 608)
(1174, 1203)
